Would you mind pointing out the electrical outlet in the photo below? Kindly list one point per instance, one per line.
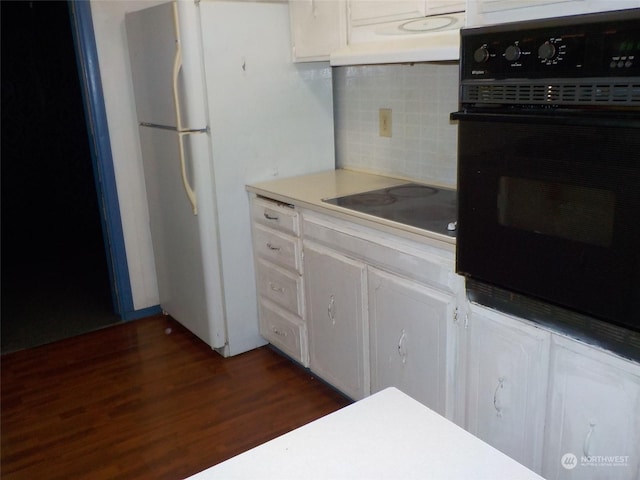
(385, 122)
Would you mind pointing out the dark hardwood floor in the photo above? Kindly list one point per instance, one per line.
(146, 399)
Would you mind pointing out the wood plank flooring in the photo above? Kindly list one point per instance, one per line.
(146, 399)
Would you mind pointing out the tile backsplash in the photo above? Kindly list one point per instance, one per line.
(421, 97)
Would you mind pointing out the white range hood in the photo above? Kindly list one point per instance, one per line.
(424, 39)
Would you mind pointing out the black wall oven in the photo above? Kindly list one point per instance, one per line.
(549, 172)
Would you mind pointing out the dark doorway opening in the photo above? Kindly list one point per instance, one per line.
(55, 282)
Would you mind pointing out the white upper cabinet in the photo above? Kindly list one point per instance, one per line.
(593, 421)
(368, 12)
(318, 27)
(437, 7)
(507, 384)
(409, 326)
(488, 12)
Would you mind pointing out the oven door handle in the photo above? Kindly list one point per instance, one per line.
(555, 118)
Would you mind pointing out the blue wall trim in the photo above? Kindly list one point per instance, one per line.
(104, 175)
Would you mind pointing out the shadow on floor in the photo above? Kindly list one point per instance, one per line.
(54, 299)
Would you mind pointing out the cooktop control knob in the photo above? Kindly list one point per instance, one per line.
(512, 53)
(547, 51)
(481, 55)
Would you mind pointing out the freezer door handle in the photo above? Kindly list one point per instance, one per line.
(177, 66)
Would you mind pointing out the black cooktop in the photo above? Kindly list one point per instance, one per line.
(422, 206)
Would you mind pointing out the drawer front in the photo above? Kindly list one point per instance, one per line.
(284, 331)
(280, 286)
(279, 248)
(275, 215)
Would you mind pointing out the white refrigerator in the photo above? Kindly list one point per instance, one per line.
(220, 105)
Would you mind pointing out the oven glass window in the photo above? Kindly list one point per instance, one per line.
(572, 212)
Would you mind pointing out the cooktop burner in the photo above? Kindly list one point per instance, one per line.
(421, 206)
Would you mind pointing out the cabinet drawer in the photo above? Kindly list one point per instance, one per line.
(280, 286)
(279, 248)
(284, 331)
(276, 215)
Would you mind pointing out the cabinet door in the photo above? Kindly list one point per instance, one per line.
(367, 12)
(487, 12)
(437, 7)
(336, 319)
(507, 384)
(318, 27)
(593, 422)
(408, 324)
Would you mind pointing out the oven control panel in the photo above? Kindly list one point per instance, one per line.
(594, 45)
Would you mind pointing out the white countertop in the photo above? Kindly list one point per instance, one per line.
(385, 436)
(308, 191)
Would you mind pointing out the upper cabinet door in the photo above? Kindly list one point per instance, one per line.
(318, 27)
(487, 12)
(437, 7)
(507, 384)
(368, 12)
(593, 422)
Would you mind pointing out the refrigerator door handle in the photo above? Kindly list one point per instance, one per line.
(191, 194)
(177, 66)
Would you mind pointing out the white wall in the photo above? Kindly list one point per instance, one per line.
(424, 141)
(108, 24)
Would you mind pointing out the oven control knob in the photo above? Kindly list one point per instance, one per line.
(481, 55)
(547, 51)
(512, 53)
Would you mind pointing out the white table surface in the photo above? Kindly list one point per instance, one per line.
(385, 436)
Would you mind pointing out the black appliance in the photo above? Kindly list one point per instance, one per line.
(417, 205)
(549, 172)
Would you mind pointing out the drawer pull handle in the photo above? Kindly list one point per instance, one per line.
(331, 310)
(587, 440)
(270, 217)
(272, 247)
(402, 347)
(496, 399)
(280, 333)
(275, 287)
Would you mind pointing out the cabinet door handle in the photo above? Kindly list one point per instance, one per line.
(496, 397)
(331, 309)
(402, 346)
(273, 247)
(587, 439)
(280, 333)
(275, 287)
(270, 217)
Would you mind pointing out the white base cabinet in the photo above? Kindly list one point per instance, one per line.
(508, 364)
(366, 309)
(337, 319)
(381, 311)
(278, 263)
(593, 421)
(408, 334)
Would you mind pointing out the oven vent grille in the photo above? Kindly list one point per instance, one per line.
(612, 93)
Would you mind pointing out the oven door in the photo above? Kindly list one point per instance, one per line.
(550, 207)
